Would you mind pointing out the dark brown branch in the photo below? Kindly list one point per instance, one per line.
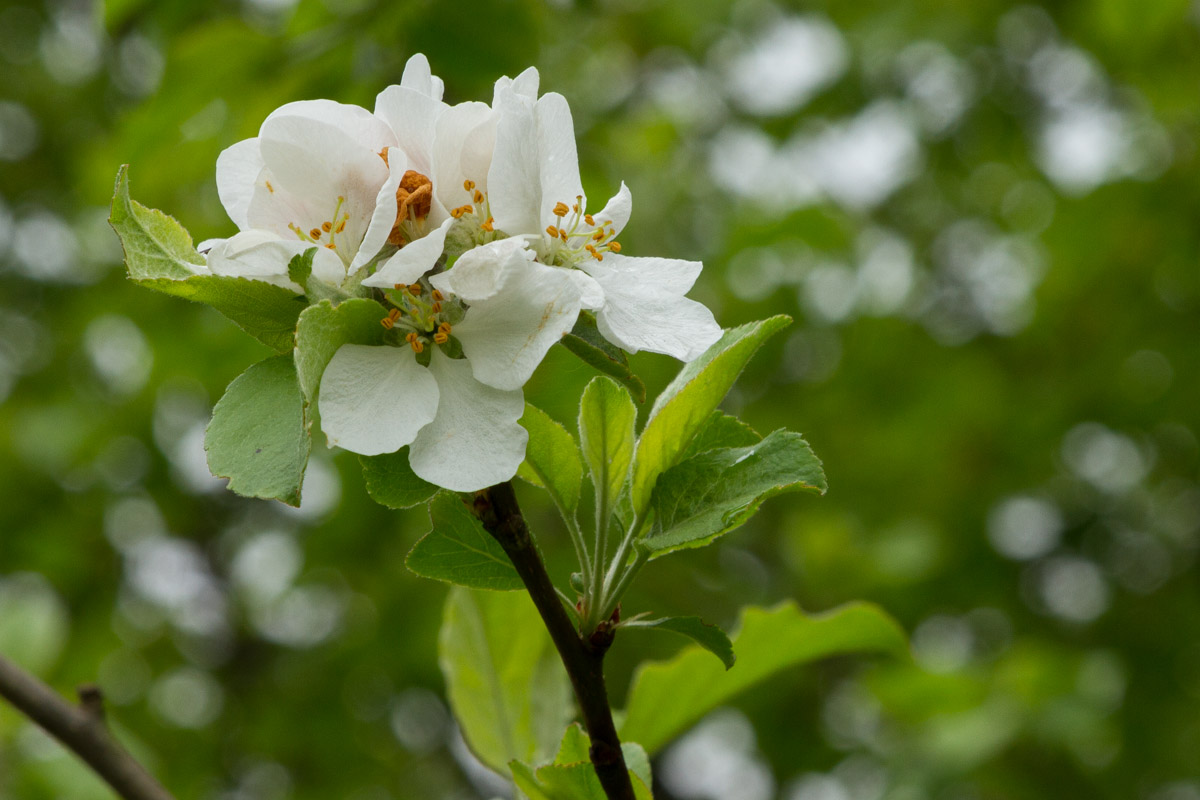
(82, 729)
(497, 508)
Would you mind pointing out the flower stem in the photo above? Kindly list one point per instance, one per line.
(500, 514)
(81, 729)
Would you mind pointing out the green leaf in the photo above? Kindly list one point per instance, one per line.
(159, 255)
(258, 437)
(667, 697)
(715, 492)
(315, 289)
(721, 430)
(156, 245)
(551, 459)
(458, 550)
(686, 404)
(391, 482)
(710, 637)
(300, 267)
(606, 419)
(576, 744)
(265, 311)
(586, 342)
(568, 782)
(323, 328)
(507, 687)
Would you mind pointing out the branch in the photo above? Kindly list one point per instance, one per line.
(497, 509)
(82, 729)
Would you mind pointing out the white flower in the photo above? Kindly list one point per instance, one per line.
(333, 176)
(459, 414)
(534, 188)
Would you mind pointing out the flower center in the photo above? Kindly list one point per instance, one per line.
(577, 236)
(414, 199)
(327, 232)
(421, 315)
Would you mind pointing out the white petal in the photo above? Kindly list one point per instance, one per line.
(557, 157)
(263, 256)
(383, 219)
(417, 75)
(525, 84)
(507, 335)
(355, 122)
(645, 307)
(411, 261)
(514, 189)
(475, 441)
(316, 161)
(412, 115)
(617, 210)
(481, 272)
(462, 150)
(238, 168)
(374, 400)
(591, 293)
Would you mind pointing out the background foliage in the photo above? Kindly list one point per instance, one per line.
(984, 217)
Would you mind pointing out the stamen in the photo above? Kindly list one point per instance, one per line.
(478, 196)
(270, 188)
(414, 342)
(327, 226)
(444, 327)
(383, 155)
(461, 210)
(468, 184)
(614, 246)
(414, 289)
(331, 246)
(388, 323)
(315, 233)
(437, 308)
(441, 338)
(437, 296)
(560, 209)
(589, 219)
(488, 226)
(390, 319)
(553, 231)
(342, 225)
(599, 235)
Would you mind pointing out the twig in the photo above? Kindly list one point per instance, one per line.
(82, 729)
(497, 508)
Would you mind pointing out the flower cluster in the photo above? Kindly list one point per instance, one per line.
(469, 224)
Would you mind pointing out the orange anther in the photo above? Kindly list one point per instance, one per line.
(589, 219)
(478, 196)
(560, 209)
(437, 296)
(553, 231)
(327, 226)
(441, 338)
(315, 233)
(468, 184)
(614, 247)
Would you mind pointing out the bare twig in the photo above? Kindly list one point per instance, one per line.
(497, 508)
(81, 728)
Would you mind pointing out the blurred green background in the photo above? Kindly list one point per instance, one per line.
(984, 217)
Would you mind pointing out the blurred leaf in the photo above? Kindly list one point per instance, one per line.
(688, 401)
(708, 636)
(606, 419)
(667, 697)
(34, 622)
(156, 245)
(586, 342)
(721, 430)
(323, 328)
(568, 782)
(716, 492)
(551, 459)
(507, 687)
(391, 482)
(458, 550)
(258, 437)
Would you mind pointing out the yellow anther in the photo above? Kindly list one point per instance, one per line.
(387, 322)
(400, 286)
(444, 327)
(589, 219)
(342, 225)
(418, 346)
(461, 210)
(614, 247)
(331, 246)
(468, 184)
(327, 226)
(437, 296)
(415, 289)
(596, 255)
(560, 209)
(575, 208)
(478, 196)
(270, 188)
(553, 231)
(599, 235)
(562, 234)
(489, 225)
(441, 338)
(437, 308)
(315, 233)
